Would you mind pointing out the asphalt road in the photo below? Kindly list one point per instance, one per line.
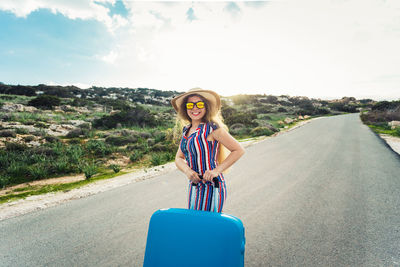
(325, 194)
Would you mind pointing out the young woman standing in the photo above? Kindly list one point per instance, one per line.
(201, 154)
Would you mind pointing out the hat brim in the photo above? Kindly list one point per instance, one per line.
(211, 96)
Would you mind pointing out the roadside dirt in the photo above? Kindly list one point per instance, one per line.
(59, 180)
(393, 142)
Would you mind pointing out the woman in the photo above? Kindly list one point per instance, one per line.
(201, 153)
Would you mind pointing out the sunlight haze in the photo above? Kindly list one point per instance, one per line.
(315, 48)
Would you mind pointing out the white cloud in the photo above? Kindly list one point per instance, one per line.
(318, 48)
(110, 57)
(82, 9)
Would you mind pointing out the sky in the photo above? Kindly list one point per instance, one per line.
(316, 48)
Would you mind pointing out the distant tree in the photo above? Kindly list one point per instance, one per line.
(386, 105)
(228, 111)
(340, 106)
(45, 101)
(272, 99)
(137, 116)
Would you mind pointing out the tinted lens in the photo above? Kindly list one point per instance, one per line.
(200, 104)
(189, 105)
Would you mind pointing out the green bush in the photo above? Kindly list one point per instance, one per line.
(75, 153)
(161, 158)
(137, 155)
(21, 131)
(40, 124)
(159, 136)
(45, 102)
(115, 167)
(75, 133)
(61, 166)
(137, 116)
(29, 138)
(397, 131)
(17, 169)
(4, 181)
(159, 147)
(98, 148)
(7, 133)
(12, 146)
(37, 172)
(120, 140)
(89, 170)
(244, 118)
(156, 159)
(51, 139)
(260, 131)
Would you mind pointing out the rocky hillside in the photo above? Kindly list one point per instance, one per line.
(49, 131)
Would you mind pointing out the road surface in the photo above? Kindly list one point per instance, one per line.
(325, 194)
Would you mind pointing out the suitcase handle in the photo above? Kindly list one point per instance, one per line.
(215, 180)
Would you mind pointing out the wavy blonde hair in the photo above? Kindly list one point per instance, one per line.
(182, 119)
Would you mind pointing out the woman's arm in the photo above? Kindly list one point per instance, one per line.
(222, 136)
(181, 164)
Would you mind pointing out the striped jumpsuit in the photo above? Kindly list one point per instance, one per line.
(201, 155)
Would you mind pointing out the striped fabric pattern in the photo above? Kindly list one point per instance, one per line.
(201, 155)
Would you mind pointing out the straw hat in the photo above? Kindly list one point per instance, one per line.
(211, 96)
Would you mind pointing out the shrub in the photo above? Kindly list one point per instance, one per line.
(40, 124)
(74, 133)
(397, 131)
(281, 109)
(89, 170)
(340, 106)
(137, 155)
(45, 102)
(4, 180)
(43, 150)
(12, 146)
(159, 136)
(244, 118)
(99, 148)
(156, 159)
(61, 165)
(51, 139)
(74, 153)
(74, 141)
(264, 109)
(7, 133)
(137, 116)
(38, 171)
(21, 131)
(240, 131)
(259, 131)
(386, 105)
(120, 140)
(17, 169)
(321, 111)
(159, 147)
(265, 117)
(40, 132)
(29, 138)
(115, 167)
(145, 135)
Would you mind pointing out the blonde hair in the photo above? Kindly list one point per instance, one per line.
(182, 119)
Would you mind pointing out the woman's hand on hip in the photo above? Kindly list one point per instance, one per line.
(210, 174)
(193, 176)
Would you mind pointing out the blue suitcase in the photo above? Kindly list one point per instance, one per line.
(186, 238)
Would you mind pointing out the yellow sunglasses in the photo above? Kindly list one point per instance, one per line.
(190, 105)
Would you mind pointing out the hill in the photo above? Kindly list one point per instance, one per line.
(50, 131)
